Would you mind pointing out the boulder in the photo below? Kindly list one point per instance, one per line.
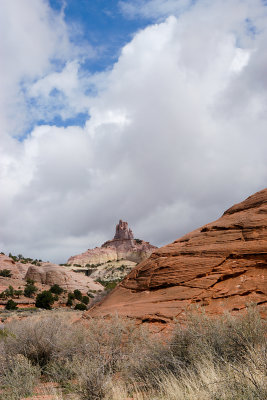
(221, 266)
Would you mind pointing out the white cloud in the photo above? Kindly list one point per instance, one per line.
(177, 134)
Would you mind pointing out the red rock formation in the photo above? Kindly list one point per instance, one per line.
(222, 266)
(122, 246)
(123, 232)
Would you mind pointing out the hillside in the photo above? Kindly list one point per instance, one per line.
(222, 266)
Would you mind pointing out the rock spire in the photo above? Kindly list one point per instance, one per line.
(221, 266)
(123, 232)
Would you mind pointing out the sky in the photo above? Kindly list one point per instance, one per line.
(154, 112)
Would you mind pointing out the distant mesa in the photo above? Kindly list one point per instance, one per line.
(122, 247)
(221, 266)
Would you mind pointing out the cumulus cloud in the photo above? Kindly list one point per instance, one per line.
(176, 134)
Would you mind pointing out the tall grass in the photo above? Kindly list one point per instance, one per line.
(211, 359)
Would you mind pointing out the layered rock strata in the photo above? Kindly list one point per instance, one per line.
(50, 274)
(122, 247)
(44, 276)
(222, 266)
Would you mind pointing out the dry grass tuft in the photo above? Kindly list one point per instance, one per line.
(211, 359)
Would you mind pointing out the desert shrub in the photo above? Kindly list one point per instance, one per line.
(56, 289)
(18, 293)
(80, 306)
(11, 305)
(92, 380)
(111, 344)
(43, 338)
(44, 300)
(3, 334)
(30, 289)
(71, 297)
(220, 342)
(9, 292)
(85, 299)
(60, 370)
(17, 377)
(226, 338)
(5, 273)
(109, 285)
(77, 294)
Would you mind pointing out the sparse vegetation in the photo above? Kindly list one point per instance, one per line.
(109, 285)
(25, 260)
(85, 300)
(208, 359)
(44, 300)
(11, 305)
(80, 307)
(77, 294)
(10, 292)
(6, 273)
(56, 289)
(30, 289)
(71, 297)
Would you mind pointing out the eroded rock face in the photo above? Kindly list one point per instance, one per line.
(50, 274)
(122, 246)
(222, 266)
(123, 232)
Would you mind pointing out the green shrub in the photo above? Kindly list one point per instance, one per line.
(8, 292)
(56, 289)
(44, 300)
(11, 305)
(80, 306)
(30, 289)
(71, 297)
(109, 285)
(77, 294)
(5, 273)
(18, 293)
(85, 300)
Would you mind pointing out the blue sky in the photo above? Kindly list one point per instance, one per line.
(103, 25)
(149, 111)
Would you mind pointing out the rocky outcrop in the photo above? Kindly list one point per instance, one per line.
(222, 266)
(17, 269)
(50, 274)
(44, 275)
(122, 246)
(123, 232)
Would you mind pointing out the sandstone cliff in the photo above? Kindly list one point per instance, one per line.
(122, 246)
(222, 266)
(50, 274)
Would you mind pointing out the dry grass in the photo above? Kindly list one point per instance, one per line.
(222, 359)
